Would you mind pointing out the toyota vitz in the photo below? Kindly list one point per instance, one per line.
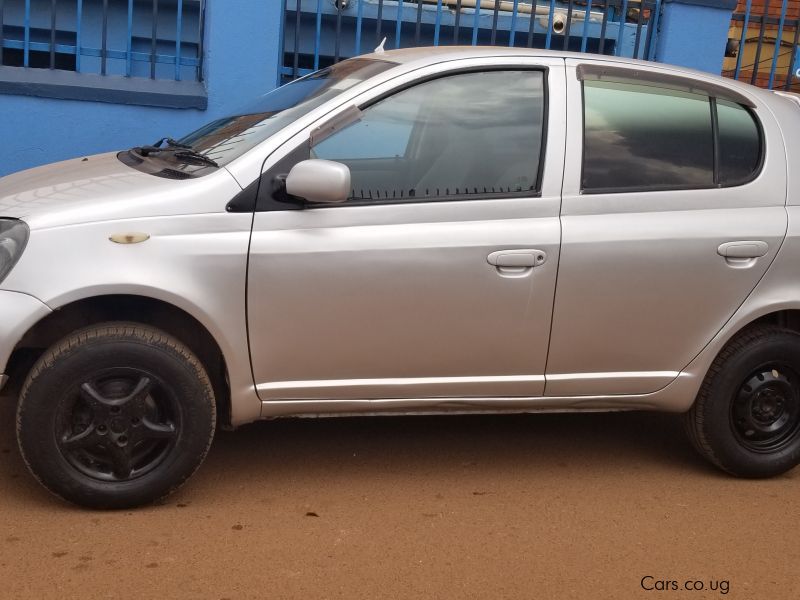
(440, 230)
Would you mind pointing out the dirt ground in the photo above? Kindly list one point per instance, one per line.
(538, 506)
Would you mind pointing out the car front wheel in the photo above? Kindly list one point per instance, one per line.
(746, 419)
(115, 415)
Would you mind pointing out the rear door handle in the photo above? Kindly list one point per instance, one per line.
(525, 257)
(744, 249)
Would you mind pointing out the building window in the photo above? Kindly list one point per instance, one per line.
(156, 39)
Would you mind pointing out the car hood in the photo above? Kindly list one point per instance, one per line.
(101, 187)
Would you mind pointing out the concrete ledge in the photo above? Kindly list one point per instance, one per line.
(68, 85)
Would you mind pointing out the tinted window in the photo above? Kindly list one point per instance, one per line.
(226, 139)
(377, 136)
(468, 134)
(739, 143)
(644, 138)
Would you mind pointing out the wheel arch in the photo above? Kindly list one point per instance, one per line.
(161, 314)
(786, 316)
(680, 394)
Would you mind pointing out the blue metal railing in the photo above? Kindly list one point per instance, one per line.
(160, 39)
(322, 32)
(766, 49)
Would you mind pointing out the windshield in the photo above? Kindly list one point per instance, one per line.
(226, 139)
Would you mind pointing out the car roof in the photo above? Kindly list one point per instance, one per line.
(439, 53)
(436, 54)
(793, 96)
(429, 55)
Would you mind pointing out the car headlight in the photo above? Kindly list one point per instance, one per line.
(13, 237)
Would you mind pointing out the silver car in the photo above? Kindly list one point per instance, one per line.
(446, 230)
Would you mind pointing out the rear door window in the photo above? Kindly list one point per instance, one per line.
(641, 137)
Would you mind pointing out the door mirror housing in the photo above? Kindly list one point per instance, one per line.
(319, 181)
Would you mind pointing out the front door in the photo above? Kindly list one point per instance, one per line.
(436, 278)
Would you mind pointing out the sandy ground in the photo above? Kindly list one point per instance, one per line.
(545, 506)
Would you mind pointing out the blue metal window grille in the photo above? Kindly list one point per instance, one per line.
(765, 49)
(159, 39)
(321, 32)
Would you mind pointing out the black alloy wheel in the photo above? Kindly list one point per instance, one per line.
(118, 426)
(116, 415)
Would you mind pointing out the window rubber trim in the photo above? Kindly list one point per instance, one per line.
(715, 139)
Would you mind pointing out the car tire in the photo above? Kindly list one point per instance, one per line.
(746, 418)
(115, 416)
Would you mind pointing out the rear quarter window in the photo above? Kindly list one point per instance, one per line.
(739, 143)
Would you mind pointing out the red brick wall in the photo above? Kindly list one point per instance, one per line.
(757, 7)
(762, 79)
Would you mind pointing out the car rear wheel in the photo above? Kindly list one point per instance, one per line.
(746, 419)
(115, 415)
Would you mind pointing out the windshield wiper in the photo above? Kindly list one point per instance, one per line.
(183, 152)
(194, 156)
(171, 143)
(159, 146)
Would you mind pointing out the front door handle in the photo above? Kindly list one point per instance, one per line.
(524, 257)
(744, 249)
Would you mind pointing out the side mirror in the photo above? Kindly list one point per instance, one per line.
(316, 180)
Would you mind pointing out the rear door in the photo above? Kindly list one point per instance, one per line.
(437, 277)
(673, 209)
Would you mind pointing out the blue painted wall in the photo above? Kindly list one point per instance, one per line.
(693, 33)
(241, 62)
(242, 59)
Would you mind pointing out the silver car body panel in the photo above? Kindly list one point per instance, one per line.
(204, 276)
(102, 188)
(442, 320)
(19, 313)
(785, 111)
(659, 289)
(395, 309)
